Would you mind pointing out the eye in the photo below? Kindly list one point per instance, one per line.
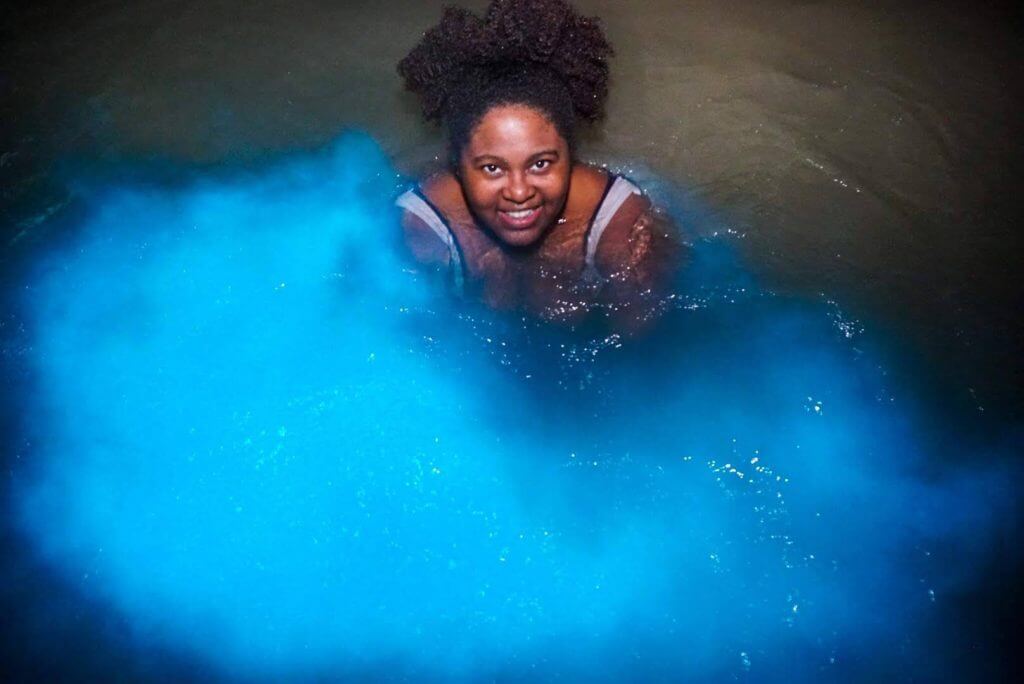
(490, 169)
(541, 164)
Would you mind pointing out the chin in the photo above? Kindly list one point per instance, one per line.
(520, 238)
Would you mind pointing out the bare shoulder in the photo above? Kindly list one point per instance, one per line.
(586, 189)
(445, 193)
(423, 243)
(592, 176)
(422, 240)
(614, 247)
(639, 244)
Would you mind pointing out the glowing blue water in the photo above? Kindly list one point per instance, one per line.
(270, 446)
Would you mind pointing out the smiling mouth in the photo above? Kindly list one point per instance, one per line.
(519, 219)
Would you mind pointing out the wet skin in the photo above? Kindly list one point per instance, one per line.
(515, 172)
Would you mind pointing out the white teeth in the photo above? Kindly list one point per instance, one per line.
(522, 213)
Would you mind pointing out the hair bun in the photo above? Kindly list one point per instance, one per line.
(513, 32)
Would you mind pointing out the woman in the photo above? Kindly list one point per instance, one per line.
(516, 220)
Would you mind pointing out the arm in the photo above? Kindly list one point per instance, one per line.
(427, 249)
(423, 244)
(640, 254)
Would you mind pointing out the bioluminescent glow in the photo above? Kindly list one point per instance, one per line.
(269, 444)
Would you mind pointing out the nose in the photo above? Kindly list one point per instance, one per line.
(518, 189)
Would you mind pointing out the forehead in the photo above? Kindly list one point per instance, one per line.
(510, 129)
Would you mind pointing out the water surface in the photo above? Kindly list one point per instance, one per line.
(852, 327)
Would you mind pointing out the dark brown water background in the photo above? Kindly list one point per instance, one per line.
(863, 152)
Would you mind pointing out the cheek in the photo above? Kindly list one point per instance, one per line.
(480, 194)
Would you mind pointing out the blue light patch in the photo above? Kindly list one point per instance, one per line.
(269, 444)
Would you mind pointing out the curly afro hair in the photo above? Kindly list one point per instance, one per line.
(541, 53)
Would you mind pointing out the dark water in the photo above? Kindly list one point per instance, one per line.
(880, 385)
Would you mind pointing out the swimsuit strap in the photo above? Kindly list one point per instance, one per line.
(616, 192)
(417, 204)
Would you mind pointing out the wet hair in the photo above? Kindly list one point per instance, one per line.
(538, 53)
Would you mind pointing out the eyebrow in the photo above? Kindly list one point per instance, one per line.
(544, 153)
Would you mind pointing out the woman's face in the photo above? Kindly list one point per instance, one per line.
(515, 172)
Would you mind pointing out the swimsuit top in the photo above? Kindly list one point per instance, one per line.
(616, 192)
